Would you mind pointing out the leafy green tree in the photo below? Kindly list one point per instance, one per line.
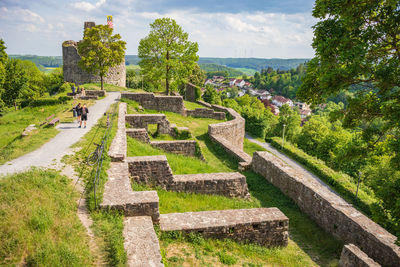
(166, 53)
(357, 43)
(100, 50)
(54, 80)
(35, 85)
(291, 119)
(15, 82)
(197, 76)
(3, 60)
(211, 95)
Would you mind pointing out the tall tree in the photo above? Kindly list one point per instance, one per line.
(100, 50)
(15, 82)
(3, 60)
(166, 53)
(358, 43)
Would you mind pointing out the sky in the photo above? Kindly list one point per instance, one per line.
(222, 28)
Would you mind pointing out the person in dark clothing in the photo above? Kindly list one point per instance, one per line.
(84, 113)
(78, 110)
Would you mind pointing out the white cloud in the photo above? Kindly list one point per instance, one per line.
(23, 14)
(86, 6)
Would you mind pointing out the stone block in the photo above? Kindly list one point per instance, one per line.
(118, 147)
(181, 147)
(264, 226)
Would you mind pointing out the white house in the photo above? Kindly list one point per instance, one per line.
(279, 101)
(240, 83)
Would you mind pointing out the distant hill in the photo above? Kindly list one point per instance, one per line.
(211, 67)
(255, 64)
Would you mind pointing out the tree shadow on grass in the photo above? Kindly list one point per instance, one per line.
(322, 247)
(218, 151)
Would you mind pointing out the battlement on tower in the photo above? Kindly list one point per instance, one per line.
(74, 74)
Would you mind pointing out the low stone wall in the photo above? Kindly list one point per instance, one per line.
(118, 147)
(190, 92)
(352, 256)
(139, 134)
(157, 102)
(142, 120)
(99, 93)
(331, 212)
(88, 97)
(264, 226)
(182, 147)
(229, 184)
(153, 170)
(236, 152)
(118, 194)
(206, 113)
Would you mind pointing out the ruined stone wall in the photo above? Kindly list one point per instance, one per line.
(181, 147)
(118, 147)
(157, 102)
(143, 120)
(190, 92)
(352, 256)
(232, 131)
(206, 113)
(230, 184)
(152, 170)
(99, 93)
(331, 212)
(139, 134)
(264, 226)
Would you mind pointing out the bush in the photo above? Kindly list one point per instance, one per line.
(342, 183)
(182, 134)
(66, 87)
(45, 101)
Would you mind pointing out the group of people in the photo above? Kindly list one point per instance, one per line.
(81, 112)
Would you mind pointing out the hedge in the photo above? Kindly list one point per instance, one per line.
(45, 101)
(340, 182)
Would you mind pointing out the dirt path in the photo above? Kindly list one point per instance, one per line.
(56, 148)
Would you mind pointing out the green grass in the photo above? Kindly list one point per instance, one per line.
(192, 105)
(13, 123)
(308, 245)
(38, 221)
(250, 147)
(247, 71)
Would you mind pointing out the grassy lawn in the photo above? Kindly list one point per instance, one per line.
(308, 244)
(13, 123)
(38, 221)
(192, 105)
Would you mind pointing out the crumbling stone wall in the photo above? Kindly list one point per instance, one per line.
(99, 93)
(139, 134)
(229, 184)
(190, 92)
(206, 113)
(352, 256)
(182, 147)
(331, 212)
(264, 226)
(143, 120)
(73, 73)
(157, 102)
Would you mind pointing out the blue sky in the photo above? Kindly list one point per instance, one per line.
(263, 29)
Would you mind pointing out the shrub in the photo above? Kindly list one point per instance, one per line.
(66, 87)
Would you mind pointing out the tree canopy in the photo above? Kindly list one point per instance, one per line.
(357, 43)
(100, 50)
(166, 53)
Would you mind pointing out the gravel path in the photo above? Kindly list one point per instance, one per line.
(52, 152)
(295, 165)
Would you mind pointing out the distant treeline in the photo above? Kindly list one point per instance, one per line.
(250, 63)
(214, 69)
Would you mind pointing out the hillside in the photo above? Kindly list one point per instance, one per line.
(246, 63)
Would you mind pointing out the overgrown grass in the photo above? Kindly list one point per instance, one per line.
(250, 147)
(308, 245)
(108, 87)
(107, 226)
(38, 221)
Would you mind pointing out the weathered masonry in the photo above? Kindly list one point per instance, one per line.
(352, 256)
(73, 73)
(330, 211)
(264, 226)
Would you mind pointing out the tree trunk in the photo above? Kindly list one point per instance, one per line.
(101, 80)
(166, 76)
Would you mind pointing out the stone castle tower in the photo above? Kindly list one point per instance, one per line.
(72, 73)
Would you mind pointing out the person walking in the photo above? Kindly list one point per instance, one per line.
(84, 113)
(78, 110)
